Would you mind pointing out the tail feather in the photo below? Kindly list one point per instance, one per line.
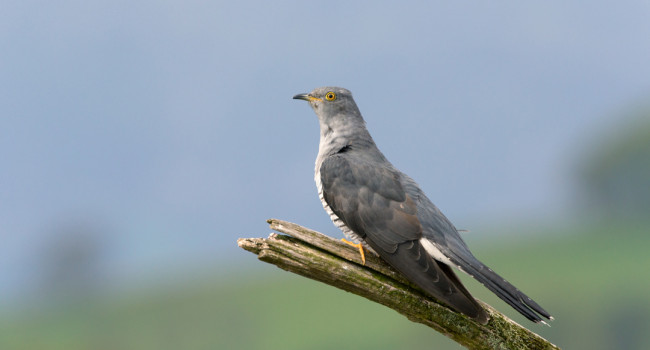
(435, 278)
(503, 289)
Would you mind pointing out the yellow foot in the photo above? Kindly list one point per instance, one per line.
(357, 245)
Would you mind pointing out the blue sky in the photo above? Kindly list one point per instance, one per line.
(168, 128)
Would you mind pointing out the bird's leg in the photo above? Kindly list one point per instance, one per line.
(357, 245)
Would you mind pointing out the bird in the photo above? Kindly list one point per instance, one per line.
(384, 210)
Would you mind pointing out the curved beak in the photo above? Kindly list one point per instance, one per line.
(306, 97)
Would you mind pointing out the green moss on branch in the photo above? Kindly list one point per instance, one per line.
(319, 257)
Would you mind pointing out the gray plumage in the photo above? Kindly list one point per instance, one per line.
(374, 203)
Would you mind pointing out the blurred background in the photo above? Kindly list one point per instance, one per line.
(139, 140)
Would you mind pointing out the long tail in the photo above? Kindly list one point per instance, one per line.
(502, 288)
(435, 278)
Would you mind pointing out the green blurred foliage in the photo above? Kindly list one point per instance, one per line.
(615, 173)
(594, 283)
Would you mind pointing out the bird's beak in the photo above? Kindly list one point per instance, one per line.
(306, 97)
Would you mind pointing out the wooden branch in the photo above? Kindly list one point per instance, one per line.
(319, 257)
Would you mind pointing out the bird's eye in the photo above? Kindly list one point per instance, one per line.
(330, 96)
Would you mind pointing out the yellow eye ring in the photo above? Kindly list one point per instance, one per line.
(330, 96)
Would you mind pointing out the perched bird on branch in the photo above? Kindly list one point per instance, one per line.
(381, 208)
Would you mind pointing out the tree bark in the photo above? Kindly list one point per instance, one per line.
(319, 257)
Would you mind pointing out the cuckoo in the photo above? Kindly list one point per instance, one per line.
(383, 209)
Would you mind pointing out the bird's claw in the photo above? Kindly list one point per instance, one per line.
(359, 246)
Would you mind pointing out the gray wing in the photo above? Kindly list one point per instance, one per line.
(439, 230)
(372, 202)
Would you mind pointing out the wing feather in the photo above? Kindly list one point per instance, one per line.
(373, 203)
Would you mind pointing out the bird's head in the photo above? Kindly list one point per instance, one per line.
(333, 105)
